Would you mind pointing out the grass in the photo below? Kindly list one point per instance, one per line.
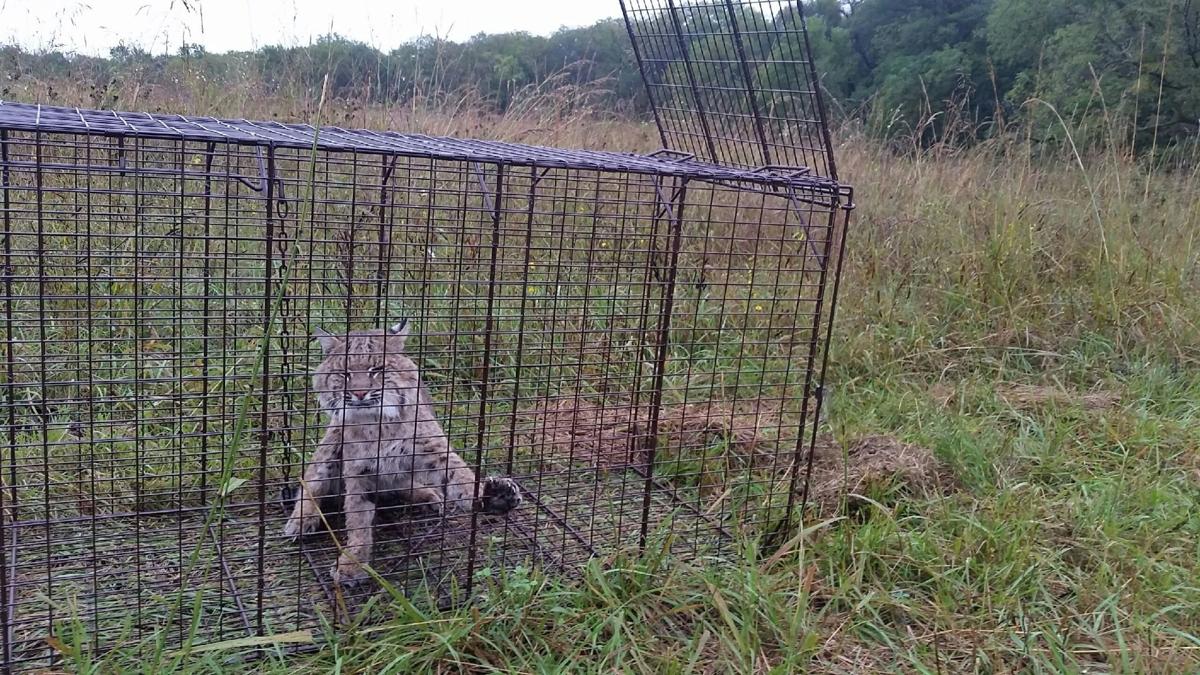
(1071, 541)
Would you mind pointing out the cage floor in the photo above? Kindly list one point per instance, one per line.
(129, 580)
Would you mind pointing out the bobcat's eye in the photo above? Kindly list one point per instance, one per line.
(376, 371)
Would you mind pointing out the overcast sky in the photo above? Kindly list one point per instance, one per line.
(95, 26)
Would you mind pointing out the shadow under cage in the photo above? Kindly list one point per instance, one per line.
(638, 341)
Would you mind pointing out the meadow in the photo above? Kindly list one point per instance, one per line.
(1027, 314)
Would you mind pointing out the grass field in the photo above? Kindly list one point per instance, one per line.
(1032, 320)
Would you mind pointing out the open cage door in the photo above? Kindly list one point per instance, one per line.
(733, 82)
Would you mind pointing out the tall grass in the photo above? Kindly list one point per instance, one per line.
(1072, 541)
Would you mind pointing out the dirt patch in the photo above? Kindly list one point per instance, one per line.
(869, 462)
(943, 392)
(612, 436)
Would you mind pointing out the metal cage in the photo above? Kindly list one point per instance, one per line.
(637, 340)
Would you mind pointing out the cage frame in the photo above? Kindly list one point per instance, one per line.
(657, 183)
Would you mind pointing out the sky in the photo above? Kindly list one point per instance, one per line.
(95, 26)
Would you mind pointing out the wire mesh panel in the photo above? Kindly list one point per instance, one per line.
(633, 345)
(637, 350)
(732, 81)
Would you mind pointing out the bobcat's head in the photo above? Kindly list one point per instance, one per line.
(365, 374)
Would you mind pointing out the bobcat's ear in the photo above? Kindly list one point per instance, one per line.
(327, 340)
(399, 331)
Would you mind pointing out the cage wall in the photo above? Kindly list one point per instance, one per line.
(639, 350)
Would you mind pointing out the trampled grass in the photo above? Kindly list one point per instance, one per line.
(1069, 540)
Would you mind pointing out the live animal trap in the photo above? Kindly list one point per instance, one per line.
(638, 341)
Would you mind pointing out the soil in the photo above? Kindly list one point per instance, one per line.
(610, 436)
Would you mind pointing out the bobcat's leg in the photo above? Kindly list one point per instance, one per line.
(360, 519)
(429, 499)
(413, 485)
(320, 479)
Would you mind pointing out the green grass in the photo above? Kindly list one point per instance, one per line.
(1070, 540)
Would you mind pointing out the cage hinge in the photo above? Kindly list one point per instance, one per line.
(489, 197)
(666, 209)
(784, 170)
(672, 155)
(817, 254)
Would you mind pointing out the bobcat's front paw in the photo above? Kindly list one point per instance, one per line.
(348, 572)
(500, 495)
(301, 522)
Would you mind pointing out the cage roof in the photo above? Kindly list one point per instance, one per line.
(112, 123)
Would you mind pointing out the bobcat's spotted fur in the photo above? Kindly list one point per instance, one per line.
(382, 442)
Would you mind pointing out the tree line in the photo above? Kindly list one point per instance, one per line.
(929, 70)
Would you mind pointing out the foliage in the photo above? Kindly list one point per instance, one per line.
(1072, 542)
(1068, 540)
(933, 70)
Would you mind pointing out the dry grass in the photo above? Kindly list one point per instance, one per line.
(872, 464)
(1071, 542)
(1033, 397)
(613, 435)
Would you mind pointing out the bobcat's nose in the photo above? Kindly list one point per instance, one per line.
(360, 395)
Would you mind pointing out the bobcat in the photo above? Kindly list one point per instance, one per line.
(382, 443)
